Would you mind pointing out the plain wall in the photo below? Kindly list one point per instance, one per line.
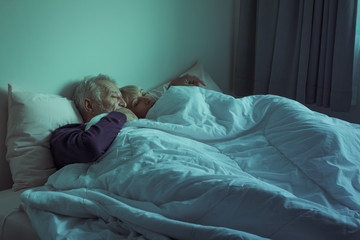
(46, 46)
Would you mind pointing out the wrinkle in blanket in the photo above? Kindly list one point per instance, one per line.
(205, 165)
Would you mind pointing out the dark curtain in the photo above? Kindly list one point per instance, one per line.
(300, 49)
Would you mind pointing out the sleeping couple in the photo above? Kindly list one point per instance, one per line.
(262, 164)
(74, 143)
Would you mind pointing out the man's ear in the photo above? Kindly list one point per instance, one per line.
(87, 104)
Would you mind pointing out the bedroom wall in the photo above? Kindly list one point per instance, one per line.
(46, 45)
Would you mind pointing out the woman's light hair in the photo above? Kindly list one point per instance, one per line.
(89, 88)
(129, 89)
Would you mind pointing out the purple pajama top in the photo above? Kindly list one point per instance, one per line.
(72, 144)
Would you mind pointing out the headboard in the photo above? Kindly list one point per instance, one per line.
(5, 175)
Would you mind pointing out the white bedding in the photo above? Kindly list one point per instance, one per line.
(207, 166)
(13, 218)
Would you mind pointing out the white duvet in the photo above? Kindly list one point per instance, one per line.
(207, 166)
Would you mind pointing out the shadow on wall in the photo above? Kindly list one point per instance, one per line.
(68, 90)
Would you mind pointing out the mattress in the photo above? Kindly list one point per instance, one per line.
(14, 222)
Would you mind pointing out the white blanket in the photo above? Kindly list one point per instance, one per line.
(207, 166)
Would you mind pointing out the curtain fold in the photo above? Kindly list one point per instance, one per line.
(344, 55)
(300, 49)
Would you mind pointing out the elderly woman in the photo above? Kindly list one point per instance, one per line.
(140, 102)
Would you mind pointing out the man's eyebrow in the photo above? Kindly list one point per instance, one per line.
(115, 92)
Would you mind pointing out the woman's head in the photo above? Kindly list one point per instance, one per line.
(137, 100)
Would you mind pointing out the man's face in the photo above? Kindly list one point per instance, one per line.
(139, 102)
(110, 96)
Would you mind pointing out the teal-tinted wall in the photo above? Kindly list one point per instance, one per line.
(46, 43)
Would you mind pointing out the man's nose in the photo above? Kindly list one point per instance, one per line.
(122, 102)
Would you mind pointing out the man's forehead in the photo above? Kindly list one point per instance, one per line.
(109, 86)
(106, 83)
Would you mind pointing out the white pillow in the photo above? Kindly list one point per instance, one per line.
(196, 70)
(94, 120)
(31, 119)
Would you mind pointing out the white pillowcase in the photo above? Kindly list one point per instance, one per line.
(31, 119)
(94, 120)
(196, 70)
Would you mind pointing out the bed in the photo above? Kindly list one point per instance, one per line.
(13, 218)
(204, 165)
(31, 119)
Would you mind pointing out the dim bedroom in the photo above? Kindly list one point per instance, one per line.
(252, 152)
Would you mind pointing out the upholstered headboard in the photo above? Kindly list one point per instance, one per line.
(5, 176)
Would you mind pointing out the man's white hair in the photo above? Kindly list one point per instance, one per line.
(89, 88)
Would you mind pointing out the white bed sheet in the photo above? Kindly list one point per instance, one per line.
(14, 222)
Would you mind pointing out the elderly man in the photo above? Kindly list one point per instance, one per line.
(93, 96)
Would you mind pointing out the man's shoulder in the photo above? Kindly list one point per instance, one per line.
(70, 127)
